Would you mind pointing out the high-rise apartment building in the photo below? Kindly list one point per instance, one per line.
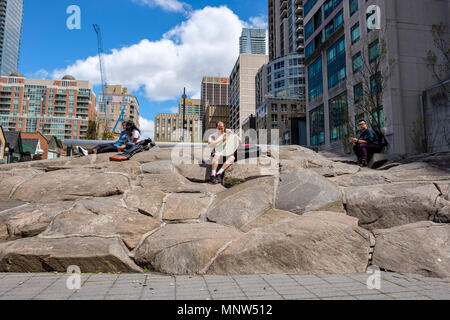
(253, 41)
(285, 28)
(52, 107)
(193, 106)
(339, 44)
(112, 102)
(11, 13)
(242, 87)
(169, 128)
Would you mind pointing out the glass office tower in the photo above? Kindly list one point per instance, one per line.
(11, 13)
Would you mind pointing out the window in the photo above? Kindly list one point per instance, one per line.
(355, 33)
(315, 79)
(358, 93)
(338, 117)
(274, 108)
(317, 126)
(375, 84)
(274, 118)
(357, 62)
(336, 63)
(284, 108)
(328, 8)
(375, 118)
(374, 51)
(353, 7)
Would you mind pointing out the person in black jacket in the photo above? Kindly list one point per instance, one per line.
(366, 145)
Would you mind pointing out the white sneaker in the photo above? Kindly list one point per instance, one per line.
(82, 151)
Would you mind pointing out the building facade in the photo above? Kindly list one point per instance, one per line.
(214, 92)
(286, 77)
(193, 106)
(115, 100)
(253, 41)
(285, 28)
(169, 128)
(11, 15)
(215, 114)
(242, 87)
(52, 107)
(339, 44)
(286, 116)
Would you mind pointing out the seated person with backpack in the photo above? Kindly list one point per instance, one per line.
(367, 144)
(128, 138)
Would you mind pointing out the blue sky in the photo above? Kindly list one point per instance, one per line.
(154, 47)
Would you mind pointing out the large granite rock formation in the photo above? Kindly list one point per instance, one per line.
(291, 210)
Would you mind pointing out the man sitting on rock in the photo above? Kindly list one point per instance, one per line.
(220, 137)
(366, 145)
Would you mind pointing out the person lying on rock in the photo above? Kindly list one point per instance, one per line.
(218, 141)
(366, 145)
(128, 138)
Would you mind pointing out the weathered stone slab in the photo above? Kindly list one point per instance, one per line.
(93, 218)
(185, 206)
(183, 248)
(301, 191)
(419, 248)
(32, 219)
(315, 243)
(250, 169)
(154, 155)
(146, 201)
(361, 179)
(380, 207)
(170, 183)
(269, 217)
(159, 167)
(70, 185)
(417, 171)
(243, 203)
(195, 172)
(91, 254)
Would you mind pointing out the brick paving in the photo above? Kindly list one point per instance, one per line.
(252, 287)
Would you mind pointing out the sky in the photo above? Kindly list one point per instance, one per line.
(153, 47)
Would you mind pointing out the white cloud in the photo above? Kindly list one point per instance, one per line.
(40, 74)
(207, 43)
(167, 5)
(147, 128)
(174, 110)
(259, 22)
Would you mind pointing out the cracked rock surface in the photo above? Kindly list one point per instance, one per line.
(289, 211)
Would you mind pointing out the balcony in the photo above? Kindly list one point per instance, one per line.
(299, 30)
(284, 5)
(300, 48)
(299, 10)
(284, 14)
(299, 2)
(300, 39)
(299, 21)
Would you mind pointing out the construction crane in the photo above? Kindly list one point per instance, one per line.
(98, 31)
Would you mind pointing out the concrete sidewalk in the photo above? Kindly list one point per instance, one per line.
(265, 287)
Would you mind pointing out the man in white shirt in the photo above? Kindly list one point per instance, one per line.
(217, 139)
